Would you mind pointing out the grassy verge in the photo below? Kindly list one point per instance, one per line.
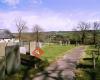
(52, 52)
(85, 69)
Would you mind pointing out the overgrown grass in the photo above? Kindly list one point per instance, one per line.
(81, 73)
(88, 73)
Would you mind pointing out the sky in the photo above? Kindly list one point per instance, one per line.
(51, 15)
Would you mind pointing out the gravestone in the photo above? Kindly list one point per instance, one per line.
(23, 50)
(2, 49)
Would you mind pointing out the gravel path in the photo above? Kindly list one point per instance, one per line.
(63, 69)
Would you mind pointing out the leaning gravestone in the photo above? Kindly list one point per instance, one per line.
(32, 47)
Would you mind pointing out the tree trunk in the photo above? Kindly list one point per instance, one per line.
(94, 38)
(19, 38)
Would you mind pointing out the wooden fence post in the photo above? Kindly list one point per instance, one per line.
(94, 63)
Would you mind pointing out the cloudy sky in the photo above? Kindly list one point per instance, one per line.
(51, 15)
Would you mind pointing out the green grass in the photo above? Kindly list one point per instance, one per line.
(88, 73)
(52, 52)
(81, 73)
(98, 70)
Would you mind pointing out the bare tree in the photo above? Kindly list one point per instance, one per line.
(21, 27)
(37, 33)
(83, 28)
(95, 27)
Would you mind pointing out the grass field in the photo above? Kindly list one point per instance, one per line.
(52, 52)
